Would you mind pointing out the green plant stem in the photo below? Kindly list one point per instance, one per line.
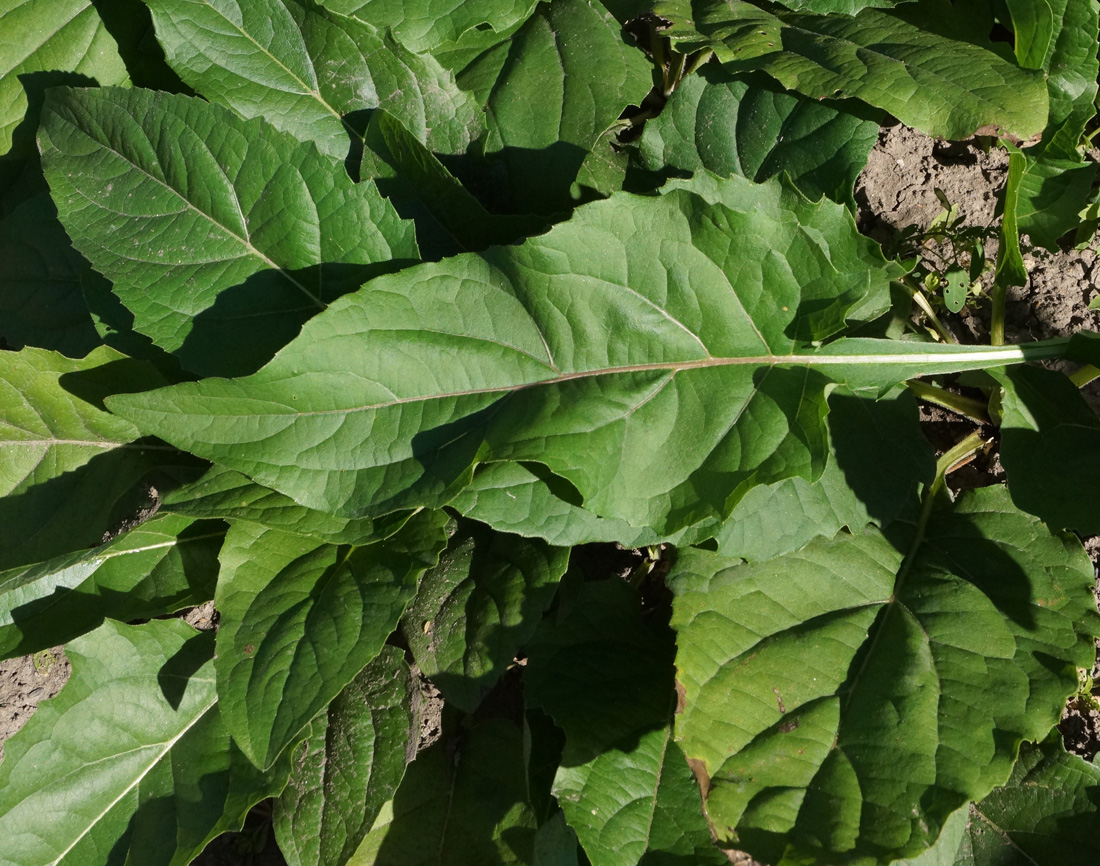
(1085, 375)
(926, 306)
(674, 72)
(947, 462)
(973, 409)
(997, 320)
(696, 60)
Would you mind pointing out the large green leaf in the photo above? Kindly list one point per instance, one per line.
(227, 494)
(772, 519)
(69, 471)
(1050, 448)
(426, 26)
(605, 675)
(841, 702)
(476, 608)
(1045, 815)
(159, 567)
(350, 764)
(923, 62)
(657, 352)
(1060, 38)
(300, 619)
(220, 235)
(865, 435)
(448, 217)
(45, 44)
(131, 759)
(744, 125)
(41, 302)
(549, 95)
(463, 800)
(309, 71)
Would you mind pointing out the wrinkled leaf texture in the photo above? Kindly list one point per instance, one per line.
(842, 701)
(220, 235)
(656, 353)
(131, 760)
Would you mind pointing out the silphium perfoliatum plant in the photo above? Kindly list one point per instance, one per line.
(380, 323)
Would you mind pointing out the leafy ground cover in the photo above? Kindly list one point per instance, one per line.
(392, 328)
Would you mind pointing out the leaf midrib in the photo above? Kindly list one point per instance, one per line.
(165, 747)
(243, 241)
(1004, 354)
(313, 92)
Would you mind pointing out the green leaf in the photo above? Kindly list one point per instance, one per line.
(61, 42)
(853, 490)
(425, 26)
(247, 222)
(300, 619)
(605, 674)
(309, 71)
(132, 757)
(1050, 448)
(463, 800)
(549, 95)
(514, 497)
(1010, 269)
(69, 471)
(227, 494)
(154, 569)
(422, 189)
(1060, 37)
(1045, 815)
(633, 350)
(1051, 194)
(476, 608)
(839, 704)
(746, 126)
(41, 303)
(839, 7)
(923, 63)
(350, 764)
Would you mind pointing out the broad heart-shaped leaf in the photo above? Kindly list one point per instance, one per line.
(154, 569)
(864, 435)
(429, 26)
(1045, 815)
(840, 702)
(60, 42)
(772, 519)
(463, 800)
(1043, 199)
(41, 302)
(1050, 448)
(476, 608)
(69, 471)
(550, 93)
(605, 675)
(300, 619)
(920, 62)
(1059, 37)
(227, 494)
(309, 71)
(131, 760)
(219, 234)
(655, 352)
(745, 125)
(350, 764)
